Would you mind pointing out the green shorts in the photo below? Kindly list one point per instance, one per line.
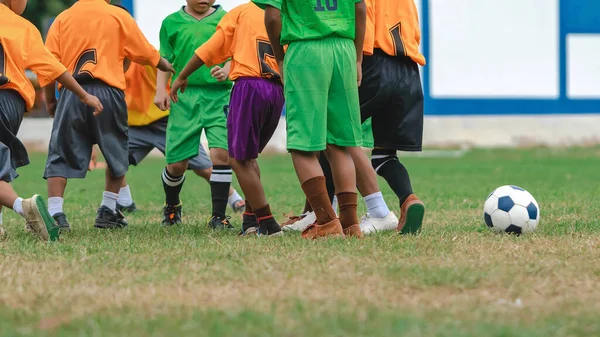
(199, 108)
(367, 134)
(321, 94)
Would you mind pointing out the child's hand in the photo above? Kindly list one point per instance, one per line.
(164, 65)
(179, 84)
(220, 74)
(162, 100)
(93, 161)
(51, 108)
(94, 102)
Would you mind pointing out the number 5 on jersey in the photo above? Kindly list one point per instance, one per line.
(265, 54)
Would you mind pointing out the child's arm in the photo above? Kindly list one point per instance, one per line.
(71, 84)
(359, 38)
(181, 82)
(273, 25)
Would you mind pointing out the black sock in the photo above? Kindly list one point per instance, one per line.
(220, 181)
(387, 165)
(328, 176)
(172, 186)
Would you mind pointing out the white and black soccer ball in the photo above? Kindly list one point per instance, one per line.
(511, 209)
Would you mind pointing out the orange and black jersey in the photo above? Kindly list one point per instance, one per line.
(241, 35)
(92, 38)
(21, 47)
(393, 27)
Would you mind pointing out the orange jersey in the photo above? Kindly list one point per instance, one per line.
(241, 35)
(139, 95)
(21, 47)
(92, 38)
(393, 26)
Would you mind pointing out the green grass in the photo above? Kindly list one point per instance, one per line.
(455, 279)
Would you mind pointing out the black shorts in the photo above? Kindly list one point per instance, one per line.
(12, 152)
(391, 94)
(76, 130)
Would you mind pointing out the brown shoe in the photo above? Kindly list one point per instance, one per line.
(353, 231)
(330, 229)
(411, 217)
(292, 220)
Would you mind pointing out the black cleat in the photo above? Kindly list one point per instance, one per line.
(172, 215)
(217, 223)
(269, 227)
(127, 209)
(61, 221)
(107, 219)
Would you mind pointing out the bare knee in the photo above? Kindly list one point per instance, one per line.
(177, 169)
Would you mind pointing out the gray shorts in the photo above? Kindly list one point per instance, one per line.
(76, 130)
(143, 139)
(12, 152)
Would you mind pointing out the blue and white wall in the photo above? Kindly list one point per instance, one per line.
(499, 73)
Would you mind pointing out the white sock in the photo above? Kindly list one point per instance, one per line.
(55, 205)
(335, 205)
(18, 207)
(125, 198)
(376, 206)
(0, 218)
(109, 199)
(233, 198)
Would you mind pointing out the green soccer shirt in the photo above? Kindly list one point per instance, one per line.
(314, 19)
(181, 34)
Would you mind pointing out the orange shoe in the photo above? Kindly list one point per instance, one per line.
(353, 231)
(412, 214)
(330, 229)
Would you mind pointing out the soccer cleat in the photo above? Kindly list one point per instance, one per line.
(39, 220)
(269, 227)
(127, 209)
(172, 215)
(250, 231)
(238, 206)
(330, 229)
(61, 221)
(301, 224)
(216, 222)
(370, 225)
(107, 219)
(411, 219)
(353, 231)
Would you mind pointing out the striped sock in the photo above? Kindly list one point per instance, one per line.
(220, 181)
(172, 186)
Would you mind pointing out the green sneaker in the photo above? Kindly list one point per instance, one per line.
(39, 220)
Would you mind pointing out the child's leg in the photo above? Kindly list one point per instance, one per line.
(344, 177)
(220, 181)
(311, 178)
(8, 196)
(33, 210)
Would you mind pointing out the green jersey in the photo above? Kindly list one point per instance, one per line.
(314, 19)
(181, 34)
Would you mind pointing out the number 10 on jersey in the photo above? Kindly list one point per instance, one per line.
(331, 5)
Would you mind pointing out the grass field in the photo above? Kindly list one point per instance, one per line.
(455, 279)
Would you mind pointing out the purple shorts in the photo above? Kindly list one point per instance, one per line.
(254, 112)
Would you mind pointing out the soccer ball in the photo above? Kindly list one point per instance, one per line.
(511, 209)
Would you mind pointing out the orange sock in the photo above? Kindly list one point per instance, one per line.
(348, 203)
(316, 193)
